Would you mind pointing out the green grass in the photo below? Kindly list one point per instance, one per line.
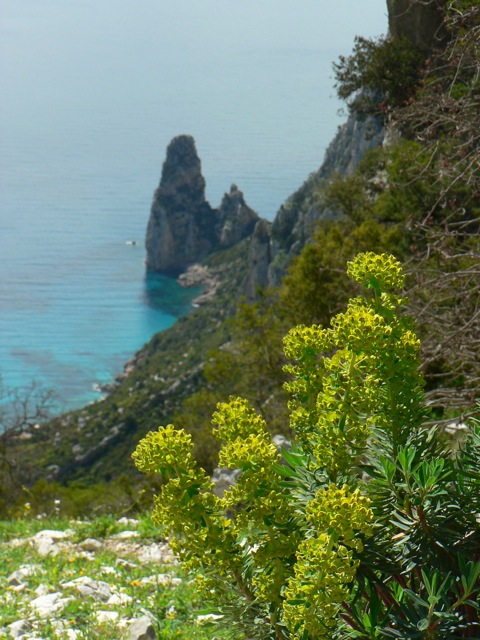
(165, 591)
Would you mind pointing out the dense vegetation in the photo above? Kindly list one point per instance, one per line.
(417, 198)
(370, 526)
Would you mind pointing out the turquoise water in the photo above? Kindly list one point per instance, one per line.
(92, 92)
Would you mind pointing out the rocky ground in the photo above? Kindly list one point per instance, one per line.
(104, 579)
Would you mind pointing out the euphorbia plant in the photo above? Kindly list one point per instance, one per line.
(368, 527)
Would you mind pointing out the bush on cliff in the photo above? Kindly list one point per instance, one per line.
(368, 527)
(387, 71)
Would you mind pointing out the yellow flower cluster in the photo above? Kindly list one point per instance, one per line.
(314, 595)
(342, 408)
(287, 539)
(260, 506)
(164, 451)
(410, 344)
(273, 559)
(254, 451)
(361, 327)
(342, 514)
(249, 447)
(382, 272)
(302, 341)
(337, 399)
(236, 419)
(325, 563)
(185, 502)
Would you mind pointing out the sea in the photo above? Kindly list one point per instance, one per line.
(92, 92)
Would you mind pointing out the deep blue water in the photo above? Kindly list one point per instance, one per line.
(92, 92)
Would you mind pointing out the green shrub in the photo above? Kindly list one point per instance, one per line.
(386, 70)
(369, 527)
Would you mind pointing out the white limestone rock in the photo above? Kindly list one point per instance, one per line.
(19, 576)
(107, 616)
(88, 588)
(46, 542)
(49, 605)
(125, 535)
(142, 629)
(128, 522)
(119, 599)
(91, 544)
(19, 628)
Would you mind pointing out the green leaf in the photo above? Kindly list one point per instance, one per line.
(470, 580)
(422, 624)
(415, 598)
(295, 458)
(284, 470)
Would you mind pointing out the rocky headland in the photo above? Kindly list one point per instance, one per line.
(183, 227)
(200, 276)
(231, 254)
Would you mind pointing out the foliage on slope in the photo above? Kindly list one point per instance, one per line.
(93, 445)
(368, 527)
(417, 198)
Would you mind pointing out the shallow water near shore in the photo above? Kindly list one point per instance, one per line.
(92, 94)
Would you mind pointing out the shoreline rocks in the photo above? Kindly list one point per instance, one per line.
(200, 276)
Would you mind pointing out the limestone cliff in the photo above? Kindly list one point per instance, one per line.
(235, 218)
(183, 228)
(273, 247)
(420, 21)
(259, 259)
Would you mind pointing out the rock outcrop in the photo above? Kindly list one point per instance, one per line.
(183, 228)
(200, 276)
(259, 259)
(419, 22)
(236, 219)
(274, 246)
(295, 222)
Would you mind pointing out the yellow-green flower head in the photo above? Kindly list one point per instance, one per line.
(313, 597)
(302, 341)
(236, 419)
(254, 451)
(339, 511)
(361, 328)
(163, 450)
(382, 272)
(410, 342)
